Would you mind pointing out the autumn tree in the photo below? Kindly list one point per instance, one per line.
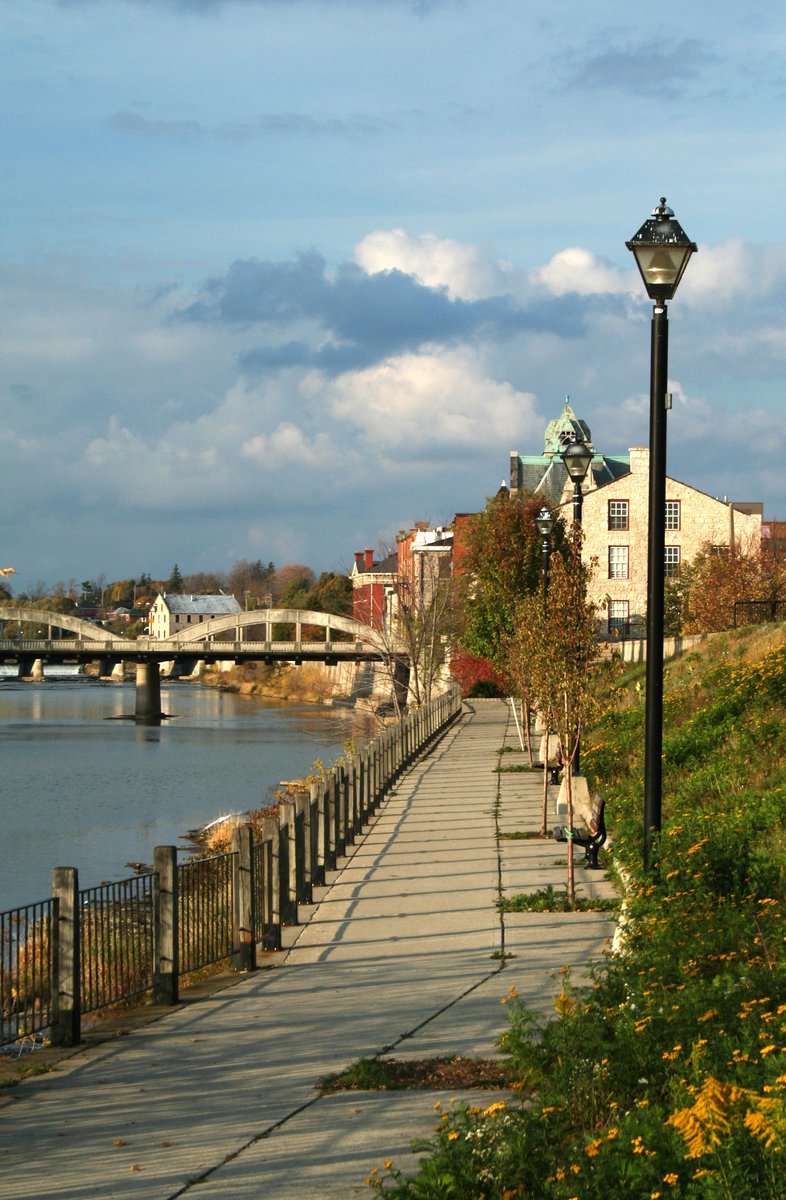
(503, 560)
(555, 645)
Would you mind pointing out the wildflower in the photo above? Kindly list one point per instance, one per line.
(765, 1050)
(592, 1148)
(388, 1163)
(452, 1136)
(437, 1106)
(671, 1178)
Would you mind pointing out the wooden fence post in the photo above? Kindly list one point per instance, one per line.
(244, 957)
(66, 998)
(271, 835)
(166, 964)
(287, 862)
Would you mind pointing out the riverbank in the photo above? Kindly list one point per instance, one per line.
(366, 687)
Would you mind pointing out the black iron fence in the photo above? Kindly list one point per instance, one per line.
(27, 952)
(757, 612)
(83, 950)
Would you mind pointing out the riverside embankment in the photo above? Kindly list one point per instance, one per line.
(403, 953)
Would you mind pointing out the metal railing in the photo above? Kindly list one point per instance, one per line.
(758, 612)
(116, 941)
(84, 950)
(205, 916)
(26, 970)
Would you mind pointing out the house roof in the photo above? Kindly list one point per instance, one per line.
(206, 606)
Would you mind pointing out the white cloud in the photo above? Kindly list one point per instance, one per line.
(578, 271)
(464, 270)
(436, 399)
(288, 445)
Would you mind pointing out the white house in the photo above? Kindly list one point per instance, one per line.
(170, 614)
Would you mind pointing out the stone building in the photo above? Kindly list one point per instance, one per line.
(546, 474)
(615, 519)
(169, 614)
(615, 525)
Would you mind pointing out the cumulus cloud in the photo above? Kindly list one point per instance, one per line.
(464, 270)
(427, 402)
(358, 318)
(575, 270)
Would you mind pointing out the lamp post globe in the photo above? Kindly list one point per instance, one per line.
(545, 523)
(577, 457)
(662, 251)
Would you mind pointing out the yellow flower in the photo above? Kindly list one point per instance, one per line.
(452, 1136)
(388, 1163)
(670, 1178)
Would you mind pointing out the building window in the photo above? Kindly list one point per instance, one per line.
(672, 560)
(618, 562)
(672, 514)
(618, 514)
(619, 618)
(719, 551)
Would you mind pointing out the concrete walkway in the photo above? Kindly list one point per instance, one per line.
(400, 954)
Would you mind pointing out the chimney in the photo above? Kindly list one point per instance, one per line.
(369, 559)
(359, 559)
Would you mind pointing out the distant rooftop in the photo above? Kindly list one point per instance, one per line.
(205, 606)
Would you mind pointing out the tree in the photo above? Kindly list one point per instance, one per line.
(502, 555)
(288, 581)
(175, 581)
(553, 646)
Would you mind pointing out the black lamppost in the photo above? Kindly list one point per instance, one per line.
(545, 524)
(577, 457)
(662, 249)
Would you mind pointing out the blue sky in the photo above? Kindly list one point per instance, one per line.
(280, 277)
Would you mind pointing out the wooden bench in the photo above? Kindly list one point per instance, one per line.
(592, 838)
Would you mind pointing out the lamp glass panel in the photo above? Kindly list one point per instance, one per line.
(661, 266)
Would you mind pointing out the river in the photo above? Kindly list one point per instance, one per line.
(80, 789)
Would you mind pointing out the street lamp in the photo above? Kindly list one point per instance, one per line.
(577, 457)
(545, 523)
(661, 249)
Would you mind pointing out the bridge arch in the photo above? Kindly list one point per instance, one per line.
(56, 620)
(384, 645)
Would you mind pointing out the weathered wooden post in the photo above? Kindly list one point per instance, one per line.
(66, 998)
(244, 956)
(271, 837)
(287, 862)
(166, 934)
(317, 802)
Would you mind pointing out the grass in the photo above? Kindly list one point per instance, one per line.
(666, 1076)
(424, 1074)
(549, 899)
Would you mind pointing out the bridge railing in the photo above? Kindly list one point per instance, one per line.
(83, 950)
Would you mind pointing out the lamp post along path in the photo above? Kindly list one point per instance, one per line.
(545, 524)
(577, 457)
(662, 250)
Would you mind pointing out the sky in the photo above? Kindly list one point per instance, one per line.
(281, 277)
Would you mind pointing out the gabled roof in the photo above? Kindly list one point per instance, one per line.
(204, 606)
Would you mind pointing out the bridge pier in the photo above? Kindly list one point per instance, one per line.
(24, 667)
(148, 692)
(37, 671)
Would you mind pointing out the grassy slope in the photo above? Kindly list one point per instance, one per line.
(669, 1078)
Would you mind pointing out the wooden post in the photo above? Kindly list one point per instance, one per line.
(301, 818)
(287, 863)
(244, 957)
(66, 997)
(317, 804)
(271, 836)
(166, 952)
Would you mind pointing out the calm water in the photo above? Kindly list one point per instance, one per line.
(80, 790)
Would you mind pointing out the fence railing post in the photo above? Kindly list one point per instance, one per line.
(166, 935)
(288, 862)
(244, 957)
(271, 833)
(317, 804)
(66, 998)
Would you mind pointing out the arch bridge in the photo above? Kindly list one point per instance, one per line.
(239, 637)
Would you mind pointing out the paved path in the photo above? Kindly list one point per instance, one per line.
(400, 954)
